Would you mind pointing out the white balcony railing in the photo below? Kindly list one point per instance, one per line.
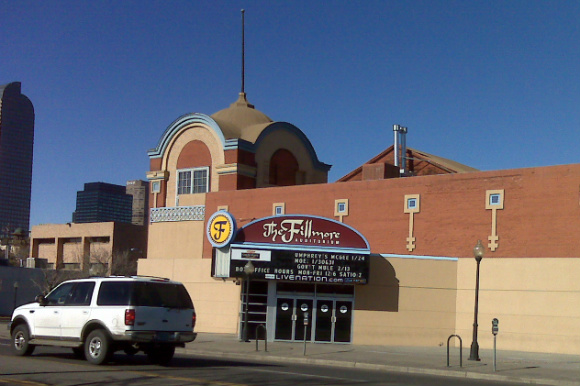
(178, 213)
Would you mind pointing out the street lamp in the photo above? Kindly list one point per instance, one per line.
(478, 254)
(248, 271)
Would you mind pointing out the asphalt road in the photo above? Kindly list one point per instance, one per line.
(57, 366)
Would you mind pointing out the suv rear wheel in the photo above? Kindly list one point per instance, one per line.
(98, 347)
(20, 341)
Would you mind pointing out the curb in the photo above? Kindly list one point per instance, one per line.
(380, 367)
(362, 365)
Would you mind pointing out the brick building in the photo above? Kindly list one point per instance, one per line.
(374, 258)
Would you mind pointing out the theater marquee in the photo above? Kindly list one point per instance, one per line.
(298, 249)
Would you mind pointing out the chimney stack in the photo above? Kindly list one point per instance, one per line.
(400, 147)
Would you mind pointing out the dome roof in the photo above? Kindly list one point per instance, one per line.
(240, 116)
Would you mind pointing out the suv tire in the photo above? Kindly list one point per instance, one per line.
(20, 341)
(98, 347)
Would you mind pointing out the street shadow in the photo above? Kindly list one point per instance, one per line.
(517, 368)
(328, 352)
(121, 361)
(382, 292)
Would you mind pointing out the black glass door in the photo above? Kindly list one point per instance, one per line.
(284, 319)
(343, 321)
(324, 309)
(303, 311)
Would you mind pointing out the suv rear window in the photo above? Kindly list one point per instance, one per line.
(144, 294)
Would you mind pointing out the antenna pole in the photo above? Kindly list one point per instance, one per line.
(243, 54)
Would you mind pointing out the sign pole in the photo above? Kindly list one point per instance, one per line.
(494, 331)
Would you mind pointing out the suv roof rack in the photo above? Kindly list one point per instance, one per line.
(150, 277)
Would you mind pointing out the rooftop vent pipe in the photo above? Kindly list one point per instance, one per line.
(400, 147)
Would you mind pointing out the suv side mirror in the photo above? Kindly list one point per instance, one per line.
(41, 300)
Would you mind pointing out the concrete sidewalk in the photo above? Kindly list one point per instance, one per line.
(522, 367)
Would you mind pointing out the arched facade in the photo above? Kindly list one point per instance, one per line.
(231, 152)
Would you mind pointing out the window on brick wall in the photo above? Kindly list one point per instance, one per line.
(190, 181)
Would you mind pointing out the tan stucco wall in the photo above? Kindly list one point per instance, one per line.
(176, 240)
(537, 302)
(216, 301)
(407, 302)
(72, 252)
(71, 234)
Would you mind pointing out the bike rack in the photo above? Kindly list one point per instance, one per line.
(460, 350)
(265, 337)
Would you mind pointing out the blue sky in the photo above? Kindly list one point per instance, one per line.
(491, 84)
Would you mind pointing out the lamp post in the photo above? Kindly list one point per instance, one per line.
(248, 271)
(478, 254)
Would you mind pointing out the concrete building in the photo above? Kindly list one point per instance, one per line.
(140, 192)
(94, 248)
(107, 236)
(16, 153)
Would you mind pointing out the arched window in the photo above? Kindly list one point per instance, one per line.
(193, 168)
(283, 168)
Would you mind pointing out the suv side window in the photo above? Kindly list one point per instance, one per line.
(59, 295)
(162, 295)
(82, 294)
(115, 293)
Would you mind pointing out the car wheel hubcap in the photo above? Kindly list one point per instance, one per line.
(95, 348)
(19, 341)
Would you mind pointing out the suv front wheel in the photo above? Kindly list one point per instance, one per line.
(98, 347)
(20, 341)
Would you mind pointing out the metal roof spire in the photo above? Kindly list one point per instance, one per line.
(243, 55)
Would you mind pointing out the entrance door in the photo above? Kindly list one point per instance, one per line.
(333, 321)
(284, 319)
(342, 321)
(324, 319)
(290, 315)
(303, 312)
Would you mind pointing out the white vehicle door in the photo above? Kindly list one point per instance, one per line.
(47, 318)
(77, 310)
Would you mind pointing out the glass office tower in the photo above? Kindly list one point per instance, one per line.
(103, 202)
(16, 146)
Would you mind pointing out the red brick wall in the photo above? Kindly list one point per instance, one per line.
(194, 154)
(541, 214)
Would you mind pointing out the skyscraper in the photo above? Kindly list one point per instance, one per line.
(103, 202)
(16, 146)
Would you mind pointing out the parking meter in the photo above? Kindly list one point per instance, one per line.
(305, 328)
(494, 331)
(495, 326)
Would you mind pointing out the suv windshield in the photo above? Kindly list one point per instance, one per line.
(144, 294)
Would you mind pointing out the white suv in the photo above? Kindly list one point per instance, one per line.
(98, 316)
